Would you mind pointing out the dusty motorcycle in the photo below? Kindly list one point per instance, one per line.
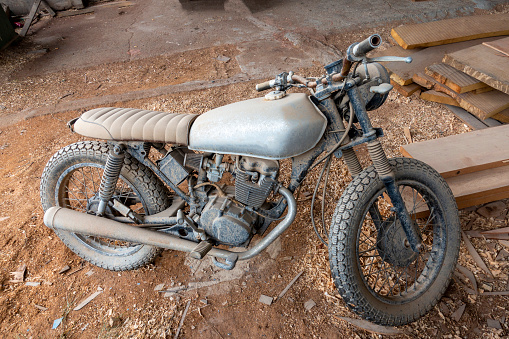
(163, 181)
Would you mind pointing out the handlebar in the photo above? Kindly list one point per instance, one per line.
(362, 48)
(264, 85)
(356, 52)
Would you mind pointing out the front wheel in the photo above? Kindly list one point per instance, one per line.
(375, 270)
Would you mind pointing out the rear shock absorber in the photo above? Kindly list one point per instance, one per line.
(110, 177)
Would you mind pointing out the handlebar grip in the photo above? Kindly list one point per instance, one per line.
(369, 44)
(263, 86)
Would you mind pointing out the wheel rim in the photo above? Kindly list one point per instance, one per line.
(77, 189)
(391, 271)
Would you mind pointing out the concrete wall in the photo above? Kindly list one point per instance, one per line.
(22, 7)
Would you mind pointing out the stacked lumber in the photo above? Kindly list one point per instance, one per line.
(460, 69)
(474, 164)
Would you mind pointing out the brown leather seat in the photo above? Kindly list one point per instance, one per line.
(131, 124)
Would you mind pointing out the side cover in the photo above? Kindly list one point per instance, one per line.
(269, 129)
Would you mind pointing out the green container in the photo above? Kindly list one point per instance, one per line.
(7, 33)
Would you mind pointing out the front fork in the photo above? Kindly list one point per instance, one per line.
(384, 170)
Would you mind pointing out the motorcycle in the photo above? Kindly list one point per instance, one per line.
(159, 181)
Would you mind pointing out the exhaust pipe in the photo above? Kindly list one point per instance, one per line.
(77, 222)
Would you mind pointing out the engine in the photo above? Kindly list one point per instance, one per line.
(226, 218)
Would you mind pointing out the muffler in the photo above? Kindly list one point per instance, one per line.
(77, 222)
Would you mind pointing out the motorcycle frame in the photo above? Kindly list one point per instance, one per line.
(358, 94)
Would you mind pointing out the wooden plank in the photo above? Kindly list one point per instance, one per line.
(464, 153)
(405, 91)
(484, 64)
(501, 45)
(453, 78)
(439, 97)
(483, 105)
(451, 30)
(502, 116)
(480, 187)
(469, 119)
(30, 18)
(402, 72)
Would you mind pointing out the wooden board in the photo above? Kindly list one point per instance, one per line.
(480, 187)
(502, 116)
(464, 153)
(453, 78)
(451, 30)
(484, 64)
(469, 119)
(402, 72)
(501, 45)
(439, 97)
(483, 105)
(30, 18)
(405, 91)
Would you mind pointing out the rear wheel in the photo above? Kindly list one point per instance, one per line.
(71, 179)
(373, 266)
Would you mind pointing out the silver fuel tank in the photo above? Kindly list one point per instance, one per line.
(269, 129)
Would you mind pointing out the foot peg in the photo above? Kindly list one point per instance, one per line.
(201, 250)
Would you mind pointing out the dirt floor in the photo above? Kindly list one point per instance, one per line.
(128, 305)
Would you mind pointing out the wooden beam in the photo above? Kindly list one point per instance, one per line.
(451, 30)
(453, 78)
(405, 91)
(483, 63)
(482, 105)
(438, 97)
(30, 18)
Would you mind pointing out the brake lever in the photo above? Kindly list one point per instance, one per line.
(390, 58)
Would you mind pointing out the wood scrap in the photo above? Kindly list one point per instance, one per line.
(469, 275)
(478, 234)
(74, 12)
(503, 230)
(42, 308)
(504, 242)
(473, 253)
(469, 119)
(451, 30)
(438, 97)
(501, 45)
(182, 320)
(407, 90)
(283, 292)
(370, 327)
(493, 210)
(502, 254)
(459, 312)
(85, 301)
(496, 293)
(18, 275)
(482, 105)
(402, 72)
(408, 134)
(453, 78)
(484, 64)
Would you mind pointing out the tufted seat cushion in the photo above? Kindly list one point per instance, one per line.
(131, 124)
